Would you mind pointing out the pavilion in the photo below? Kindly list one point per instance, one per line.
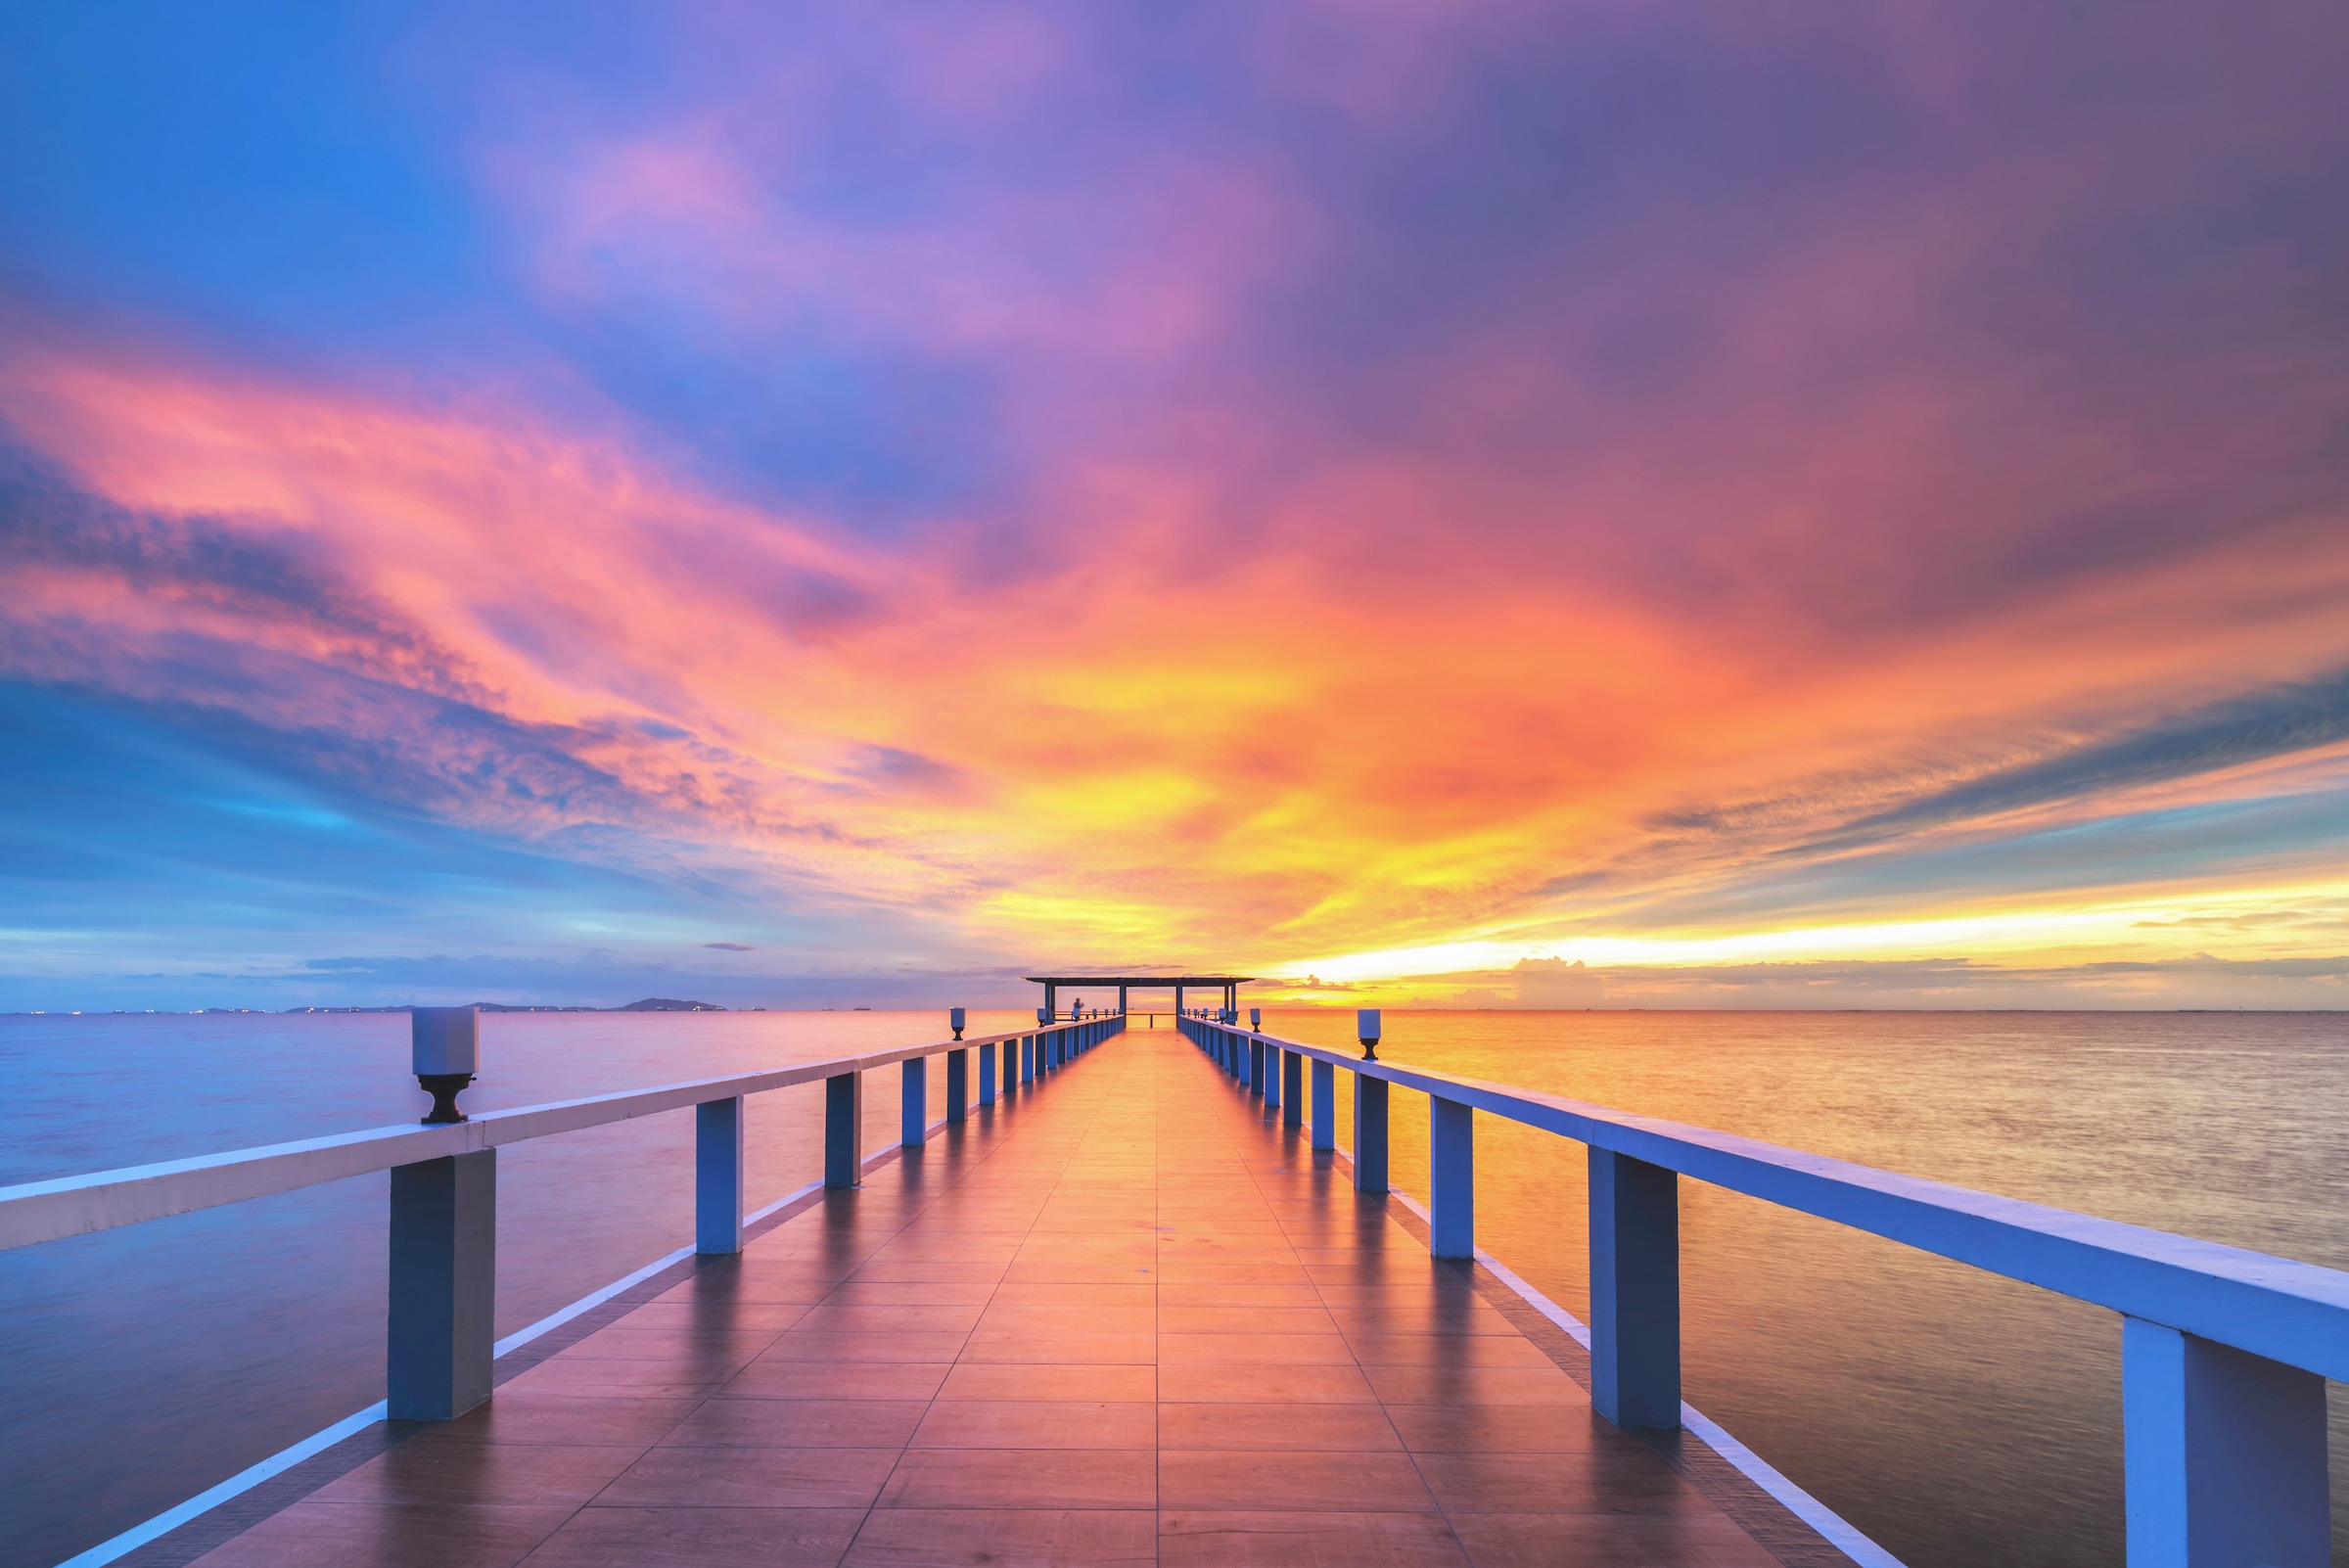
(1229, 985)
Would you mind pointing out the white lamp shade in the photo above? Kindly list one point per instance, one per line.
(446, 1039)
(1365, 1022)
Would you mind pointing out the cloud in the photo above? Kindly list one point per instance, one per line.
(1314, 479)
(2279, 721)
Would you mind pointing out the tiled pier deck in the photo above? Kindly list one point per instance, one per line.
(1122, 1318)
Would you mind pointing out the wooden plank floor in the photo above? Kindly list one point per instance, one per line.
(1124, 1319)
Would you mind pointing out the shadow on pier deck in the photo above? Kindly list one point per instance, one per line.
(1122, 1318)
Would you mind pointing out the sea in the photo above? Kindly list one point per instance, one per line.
(1956, 1418)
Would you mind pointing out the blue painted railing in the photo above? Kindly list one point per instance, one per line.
(443, 1230)
(2223, 1352)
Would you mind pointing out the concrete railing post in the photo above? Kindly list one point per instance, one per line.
(1325, 1106)
(959, 1085)
(913, 1114)
(1291, 1089)
(717, 1143)
(1369, 1134)
(1255, 1066)
(2224, 1454)
(844, 1130)
(987, 1075)
(1450, 1179)
(1635, 1291)
(1271, 1075)
(443, 1293)
(1027, 1059)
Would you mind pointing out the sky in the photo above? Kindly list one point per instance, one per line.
(1600, 504)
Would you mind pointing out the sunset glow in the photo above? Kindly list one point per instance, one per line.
(1775, 509)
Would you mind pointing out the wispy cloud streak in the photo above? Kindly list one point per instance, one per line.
(1286, 479)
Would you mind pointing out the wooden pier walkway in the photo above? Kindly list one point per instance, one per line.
(1122, 1318)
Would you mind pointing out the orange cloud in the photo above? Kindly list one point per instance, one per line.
(1291, 747)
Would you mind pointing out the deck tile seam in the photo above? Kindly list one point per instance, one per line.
(1227, 1121)
(1738, 1502)
(906, 1170)
(202, 1535)
(864, 1522)
(1486, 1287)
(1260, 1124)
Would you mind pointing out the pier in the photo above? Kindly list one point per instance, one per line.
(1133, 1305)
(1124, 1320)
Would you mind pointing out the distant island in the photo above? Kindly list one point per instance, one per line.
(650, 1004)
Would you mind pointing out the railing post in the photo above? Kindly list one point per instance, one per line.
(987, 1075)
(1011, 1066)
(844, 1130)
(1291, 1089)
(959, 1085)
(443, 1293)
(2224, 1452)
(717, 1138)
(1255, 1066)
(913, 1117)
(1635, 1291)
(1450, 1179)
(1325, 1106)
(1270, 1074)
(1027, 1059)
(1369, 1134)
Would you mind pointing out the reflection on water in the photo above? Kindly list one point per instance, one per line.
(1957, 1418)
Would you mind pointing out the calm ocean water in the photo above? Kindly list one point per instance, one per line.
(1957, 1418)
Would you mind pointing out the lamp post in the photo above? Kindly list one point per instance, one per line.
(445, 1052)
(954, 1021)
(1366, 1028)
(1256, 1019)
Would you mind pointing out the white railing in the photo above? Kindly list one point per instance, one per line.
(2224, 1352)
(444, 1228)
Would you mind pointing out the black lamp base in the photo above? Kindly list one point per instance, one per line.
(443, 1088)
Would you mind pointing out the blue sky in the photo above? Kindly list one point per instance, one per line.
(495, 503)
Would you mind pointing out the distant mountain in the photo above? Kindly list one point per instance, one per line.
(669, 1004)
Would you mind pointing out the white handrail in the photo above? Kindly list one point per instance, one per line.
(2224, 1351)
(2272, 1306)
(102, 1200)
